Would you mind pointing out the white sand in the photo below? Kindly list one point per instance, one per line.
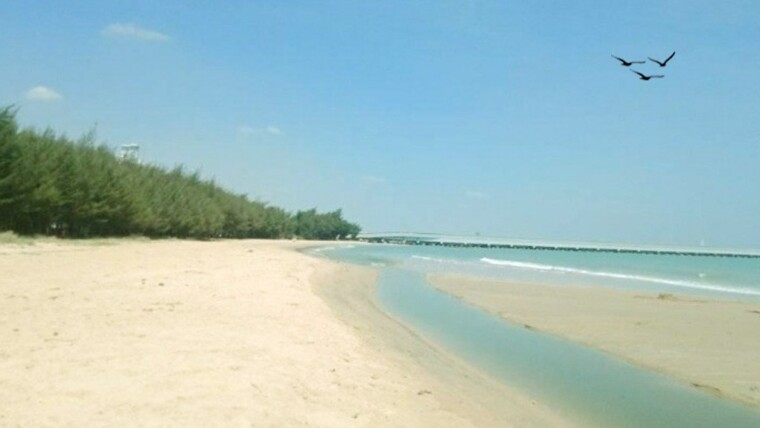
(231, 333)
(709, 344)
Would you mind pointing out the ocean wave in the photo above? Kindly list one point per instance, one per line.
(629, 277)
(436, 260)
(430, 259)
(330, 248)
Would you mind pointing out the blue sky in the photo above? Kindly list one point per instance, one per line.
(501, 118)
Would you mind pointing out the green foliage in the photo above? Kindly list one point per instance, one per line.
(52, 186)
(311, 225)
(12, 238)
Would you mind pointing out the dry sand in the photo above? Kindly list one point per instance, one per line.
(710, 344)
(230, 333)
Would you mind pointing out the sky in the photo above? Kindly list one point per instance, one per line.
(499, 118)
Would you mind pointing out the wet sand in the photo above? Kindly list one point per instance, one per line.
(709, 344)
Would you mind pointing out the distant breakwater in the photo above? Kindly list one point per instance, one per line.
(548, 247)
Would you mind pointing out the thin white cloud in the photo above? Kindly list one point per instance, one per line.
(133, 31)
(42, 93)
(473, 194)
(247, 131)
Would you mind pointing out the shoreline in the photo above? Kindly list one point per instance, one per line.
(460, 388)
(708, 344)
(188, 333)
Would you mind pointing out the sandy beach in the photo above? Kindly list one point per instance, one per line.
(709, 344)
(229, 333)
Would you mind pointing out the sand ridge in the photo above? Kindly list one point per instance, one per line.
(710, 344)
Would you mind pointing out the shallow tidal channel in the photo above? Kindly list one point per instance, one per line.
(581, 384)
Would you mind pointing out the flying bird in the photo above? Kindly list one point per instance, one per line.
(645, 77)
(664, 63)
(625, 63)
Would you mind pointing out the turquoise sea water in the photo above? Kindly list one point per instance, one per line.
(586, 386)
(722, 277)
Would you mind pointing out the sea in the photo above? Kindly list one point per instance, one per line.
(718, 273)
(585, 386)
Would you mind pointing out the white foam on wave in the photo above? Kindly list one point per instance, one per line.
(430, 259)
(630, 277)
(330, 248)
(436, 260)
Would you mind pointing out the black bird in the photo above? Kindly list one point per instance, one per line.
(645, 77)
(625, 63)
(664, 63)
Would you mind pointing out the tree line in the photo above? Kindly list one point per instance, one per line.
(52, 185)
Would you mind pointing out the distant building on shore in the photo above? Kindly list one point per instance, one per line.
(129, 152)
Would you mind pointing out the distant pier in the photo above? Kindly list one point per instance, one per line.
(585, 247)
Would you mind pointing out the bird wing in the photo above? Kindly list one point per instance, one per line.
(658, 75)
(618, 58)
(652, 59)
(638, 62)
(670, 57)
(640, 74)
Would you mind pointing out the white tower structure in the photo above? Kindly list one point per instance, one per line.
(129, 152)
